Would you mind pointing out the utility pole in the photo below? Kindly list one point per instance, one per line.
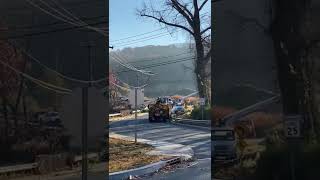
(202, 112)
(57, 69)
(136, 109)
(85, 116)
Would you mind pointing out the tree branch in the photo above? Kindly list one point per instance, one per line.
(184, 7)
(204, 3)
(183, 11)
(206, 29)
(167, 23)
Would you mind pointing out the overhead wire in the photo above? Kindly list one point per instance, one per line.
(131, 68)
(37, 81)
(140, 39)
(129, 37)
(158, 58)
(121, 44)
(118, 57)
(54, 71)
(71, 14)
(49, 31)
(160, 64)
(119, 86)
(64, 20)
(133, 87)
(24, 28)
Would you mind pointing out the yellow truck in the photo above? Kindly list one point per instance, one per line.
(160, 111)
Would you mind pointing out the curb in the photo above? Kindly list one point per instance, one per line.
(137, 171)
(180, 153)
(189, 125)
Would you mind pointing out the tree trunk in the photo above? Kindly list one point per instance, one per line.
(16, 107)
(6, 120)
(25, 108)
(288, 44)
(294, 33)
(200, 69)
(311, 34)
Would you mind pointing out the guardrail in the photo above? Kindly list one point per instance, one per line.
(206, 124)
(192, 121)
(21, 167)
(91, 156)
(115, 114)
(44, 165)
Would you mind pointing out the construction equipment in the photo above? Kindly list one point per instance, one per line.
(161, 110)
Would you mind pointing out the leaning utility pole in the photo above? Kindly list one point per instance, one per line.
(57, 69)
(85, 116)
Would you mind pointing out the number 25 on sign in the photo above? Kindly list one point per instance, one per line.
(292, 127)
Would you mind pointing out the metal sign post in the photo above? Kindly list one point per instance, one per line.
(292, 132)
(135, 113)
(202, 103)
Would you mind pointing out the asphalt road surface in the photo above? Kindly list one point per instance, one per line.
(198, 170)
(199, 140)
(91, 176)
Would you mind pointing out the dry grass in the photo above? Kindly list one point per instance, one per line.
(124, 155)
(131, 116)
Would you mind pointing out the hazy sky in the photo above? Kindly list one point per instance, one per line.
(124, 23)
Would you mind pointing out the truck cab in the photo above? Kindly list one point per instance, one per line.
(224, 145)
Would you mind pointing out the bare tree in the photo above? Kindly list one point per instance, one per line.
(186, 15)
(291, 26)
(9, 80)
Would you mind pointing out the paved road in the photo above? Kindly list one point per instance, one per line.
(199, 140)
(91, 176)
(77, 176)
(199, 170)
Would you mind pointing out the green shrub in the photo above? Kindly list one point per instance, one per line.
(144, 111)
(274, 163)
(197, 114)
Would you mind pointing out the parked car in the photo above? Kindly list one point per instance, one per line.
(224, 145)
(52, 116)
(177, 109)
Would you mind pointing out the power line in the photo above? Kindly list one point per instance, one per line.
(62, 19)
(158, 58)
(159, 36)
(73, 17)
(54, 71)
(144, 38)
(120, 86)
(135, 87)
(139, 39)
(130, 67)
(129, 37)
(50, 31)
(72, 4)
(159, 64)
(39, 82)
(24, 28)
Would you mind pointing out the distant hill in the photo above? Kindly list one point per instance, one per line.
(172, 64)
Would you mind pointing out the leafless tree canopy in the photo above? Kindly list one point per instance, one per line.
(189, 16)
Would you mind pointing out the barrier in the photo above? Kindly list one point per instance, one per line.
(16, 168)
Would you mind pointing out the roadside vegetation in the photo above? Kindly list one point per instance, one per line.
(197, 114)
(124, 155)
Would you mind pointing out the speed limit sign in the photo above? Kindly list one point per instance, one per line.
(292, 126)
(202, 101)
